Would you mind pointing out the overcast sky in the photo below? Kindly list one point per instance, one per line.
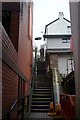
(44, 12)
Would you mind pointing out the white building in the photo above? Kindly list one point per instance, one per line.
(57, 36)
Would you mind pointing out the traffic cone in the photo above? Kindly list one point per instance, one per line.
(58, 111)
(51, 109)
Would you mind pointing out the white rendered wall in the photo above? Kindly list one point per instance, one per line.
(56, 43)
(59, 27)
(64, 63)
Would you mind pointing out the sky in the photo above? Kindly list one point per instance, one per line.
(44, 12)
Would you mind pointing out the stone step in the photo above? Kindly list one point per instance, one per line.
(43, 87)
(47, 86)
(39, 110)
(41, 95)
(41, 92)
(42, 75)
(42, 79)
(41, 102)
(42, 99)
(42, 82)
(40, 106)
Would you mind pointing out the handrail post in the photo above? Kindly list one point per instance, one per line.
(22, 108)
(51, 82)
(8, 116)
(28, 103)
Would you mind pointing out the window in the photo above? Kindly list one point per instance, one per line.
(6, 18)
(65, 40)
(10, 21)
(68, 40)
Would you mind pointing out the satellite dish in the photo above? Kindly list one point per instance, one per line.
(38, 38)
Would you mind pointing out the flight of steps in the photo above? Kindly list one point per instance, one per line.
(41, 95)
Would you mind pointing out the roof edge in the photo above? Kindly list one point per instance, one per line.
(52, 22)
(56, 36)
(67, 20)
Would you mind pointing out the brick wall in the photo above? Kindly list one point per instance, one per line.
(9, 77)
(9, 87)
(0, 88)
(22, 59)
(25, 45)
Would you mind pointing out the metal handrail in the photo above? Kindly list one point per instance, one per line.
(7, 114)
(56, 80)
(51, 84)
(31, 88)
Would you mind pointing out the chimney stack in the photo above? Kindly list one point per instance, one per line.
(61, 15)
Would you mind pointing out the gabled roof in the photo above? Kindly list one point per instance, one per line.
(57, 20)
(54, 22)
(50, 24)
(67, 20)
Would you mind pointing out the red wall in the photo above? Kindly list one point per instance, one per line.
(14, 28)
(10, 87)
(68, 106)
(22, 59)
(25, 46)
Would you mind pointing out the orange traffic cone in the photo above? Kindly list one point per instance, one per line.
(51, 109)
(58, 111)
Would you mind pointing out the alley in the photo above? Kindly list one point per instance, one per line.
(39, 75)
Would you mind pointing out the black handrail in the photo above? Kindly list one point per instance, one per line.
(7, 114)
(51, 84)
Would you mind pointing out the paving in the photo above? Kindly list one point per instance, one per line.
(41, 115)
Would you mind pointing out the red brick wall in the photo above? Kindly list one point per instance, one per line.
(9, 77)
(0, 86)
(9, 87)
(22, 59)
(25, 45)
